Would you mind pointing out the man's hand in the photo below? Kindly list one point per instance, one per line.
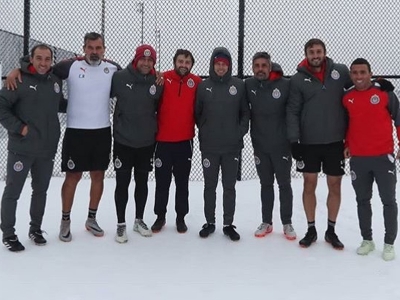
(346, 152)
(297, 151)
(11, 82)
(24, 130)
(386, 85)
(159, 78)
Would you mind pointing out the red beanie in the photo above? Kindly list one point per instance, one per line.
(220, 57)
(144, 51)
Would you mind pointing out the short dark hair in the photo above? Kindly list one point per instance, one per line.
(312, 43)
(261, 55)
(41, 46)
(361, 61)
(92, 36)
(185, 53)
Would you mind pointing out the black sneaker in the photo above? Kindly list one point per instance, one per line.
(332, 238)
(208, 229)
(231, 232)
(181, 226)
(37, 237)
(158, 224)
(310, 237)
(13, 244)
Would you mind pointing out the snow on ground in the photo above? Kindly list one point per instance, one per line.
(184, 266)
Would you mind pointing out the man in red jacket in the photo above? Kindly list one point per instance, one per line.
(370, 144)
(174, 139)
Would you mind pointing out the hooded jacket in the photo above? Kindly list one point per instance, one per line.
(135, 115)
(222, 111)
(35, 103)
(268, 99)
(315, 114)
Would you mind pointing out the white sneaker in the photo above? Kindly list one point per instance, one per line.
(121, 236)
(366, 247)
(388, 252)
(142, 228)
(289, 232)
(263, 229)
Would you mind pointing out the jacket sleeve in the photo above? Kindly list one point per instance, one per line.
(7, 118)
(62, 68)
(394, 110)
(293, 111)
(62, 107)
(244, 116)
(198, 109)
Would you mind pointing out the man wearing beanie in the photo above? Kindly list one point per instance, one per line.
(222, 116)
(268, 93)
(134, 130)
(174, 148)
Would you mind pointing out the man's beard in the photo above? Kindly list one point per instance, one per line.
(182, 71)
(94, 60)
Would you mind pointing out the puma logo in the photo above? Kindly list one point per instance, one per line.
(169, 80)
(307, 79)
(351, 100)
(83, 69)
(254, 92)
(237, 159)
(391, 172)
(33, 87)
(129, 85)
(285, 158)
(209, 89)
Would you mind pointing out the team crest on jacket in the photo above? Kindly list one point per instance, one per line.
(117, 163)
(56, 87)
(353, 175)
(276, 93)
(300, 165)
(158, 163)
(206, 163)
(71, 164)
(190, 83)
(232, 90)
(152, 90)
(375, 99)
(106, 70)
(335, 74)
(257, 160)
(18, 166)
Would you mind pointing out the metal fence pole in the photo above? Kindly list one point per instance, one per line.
(240, 65)
(27, 25)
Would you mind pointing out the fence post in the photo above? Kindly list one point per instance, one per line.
(27, 25)
(240, 65)
(103, 19)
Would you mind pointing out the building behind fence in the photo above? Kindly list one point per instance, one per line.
(366, 29)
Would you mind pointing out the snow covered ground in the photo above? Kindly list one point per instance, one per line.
(184, 266)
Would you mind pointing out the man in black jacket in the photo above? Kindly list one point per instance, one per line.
(222, 116)
(30, 116)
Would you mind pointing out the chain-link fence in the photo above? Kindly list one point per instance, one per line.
(350, 29)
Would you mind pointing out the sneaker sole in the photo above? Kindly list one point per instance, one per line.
(306, 246)
(121, 241)
(157, 230)
(260, 235)
(142, 234)
(336, 248)
(95, 233)
(290, 238)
